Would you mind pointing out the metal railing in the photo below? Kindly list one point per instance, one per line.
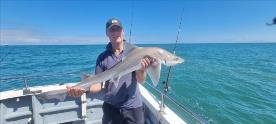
(39, 76)
(26, 80)
(163, 95)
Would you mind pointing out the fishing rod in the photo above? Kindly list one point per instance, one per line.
(131, 21)
(166, 83)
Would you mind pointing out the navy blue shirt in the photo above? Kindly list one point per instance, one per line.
(127, 94)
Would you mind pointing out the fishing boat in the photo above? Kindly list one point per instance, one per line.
(22, 106)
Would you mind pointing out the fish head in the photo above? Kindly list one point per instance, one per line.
(168, 58)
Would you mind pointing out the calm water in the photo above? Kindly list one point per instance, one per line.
(223, 83)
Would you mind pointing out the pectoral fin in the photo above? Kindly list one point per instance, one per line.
(154, 72)
(115, 81)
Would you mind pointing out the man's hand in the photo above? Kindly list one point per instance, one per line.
(141, 73)
(75, 91)
(145, 63)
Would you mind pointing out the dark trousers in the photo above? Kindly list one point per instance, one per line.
(114, 115)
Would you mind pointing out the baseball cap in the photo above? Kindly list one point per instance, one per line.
(112, 22)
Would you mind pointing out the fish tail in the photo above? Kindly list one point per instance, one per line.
(56, 94)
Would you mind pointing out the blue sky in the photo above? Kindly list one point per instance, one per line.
(83, 22)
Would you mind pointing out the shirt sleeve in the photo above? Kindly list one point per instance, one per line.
(99, 67)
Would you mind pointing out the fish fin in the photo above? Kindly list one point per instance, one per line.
(115, 81)
(85, 77)
(128, 48)
(154, 72)
(55, 94)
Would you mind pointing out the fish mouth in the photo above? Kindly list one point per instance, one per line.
(180, 60)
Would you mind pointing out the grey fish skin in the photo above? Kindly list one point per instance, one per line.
(131, 62)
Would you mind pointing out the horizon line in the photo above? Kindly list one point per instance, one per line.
(139, 43)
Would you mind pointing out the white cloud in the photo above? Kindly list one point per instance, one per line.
(25, 37)
(35, 37)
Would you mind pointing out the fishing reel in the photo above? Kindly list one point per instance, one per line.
(166, 86)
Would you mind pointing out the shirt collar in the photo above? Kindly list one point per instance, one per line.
(109, 47)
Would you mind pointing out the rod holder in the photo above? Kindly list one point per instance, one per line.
(162, 106)
(27, 90)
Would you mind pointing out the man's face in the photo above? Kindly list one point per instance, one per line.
(115, 34)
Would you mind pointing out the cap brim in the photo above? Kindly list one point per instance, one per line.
(113, 25)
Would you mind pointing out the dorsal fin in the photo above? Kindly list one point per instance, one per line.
(86, 77)
(128, 48)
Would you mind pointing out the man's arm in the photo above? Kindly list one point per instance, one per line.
(96, 88)
(78, 91)
(99, 69)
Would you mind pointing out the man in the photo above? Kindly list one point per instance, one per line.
(122, 105)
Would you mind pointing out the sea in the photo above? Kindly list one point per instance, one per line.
(220, 83)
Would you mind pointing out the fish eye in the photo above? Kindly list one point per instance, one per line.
(176, 59)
